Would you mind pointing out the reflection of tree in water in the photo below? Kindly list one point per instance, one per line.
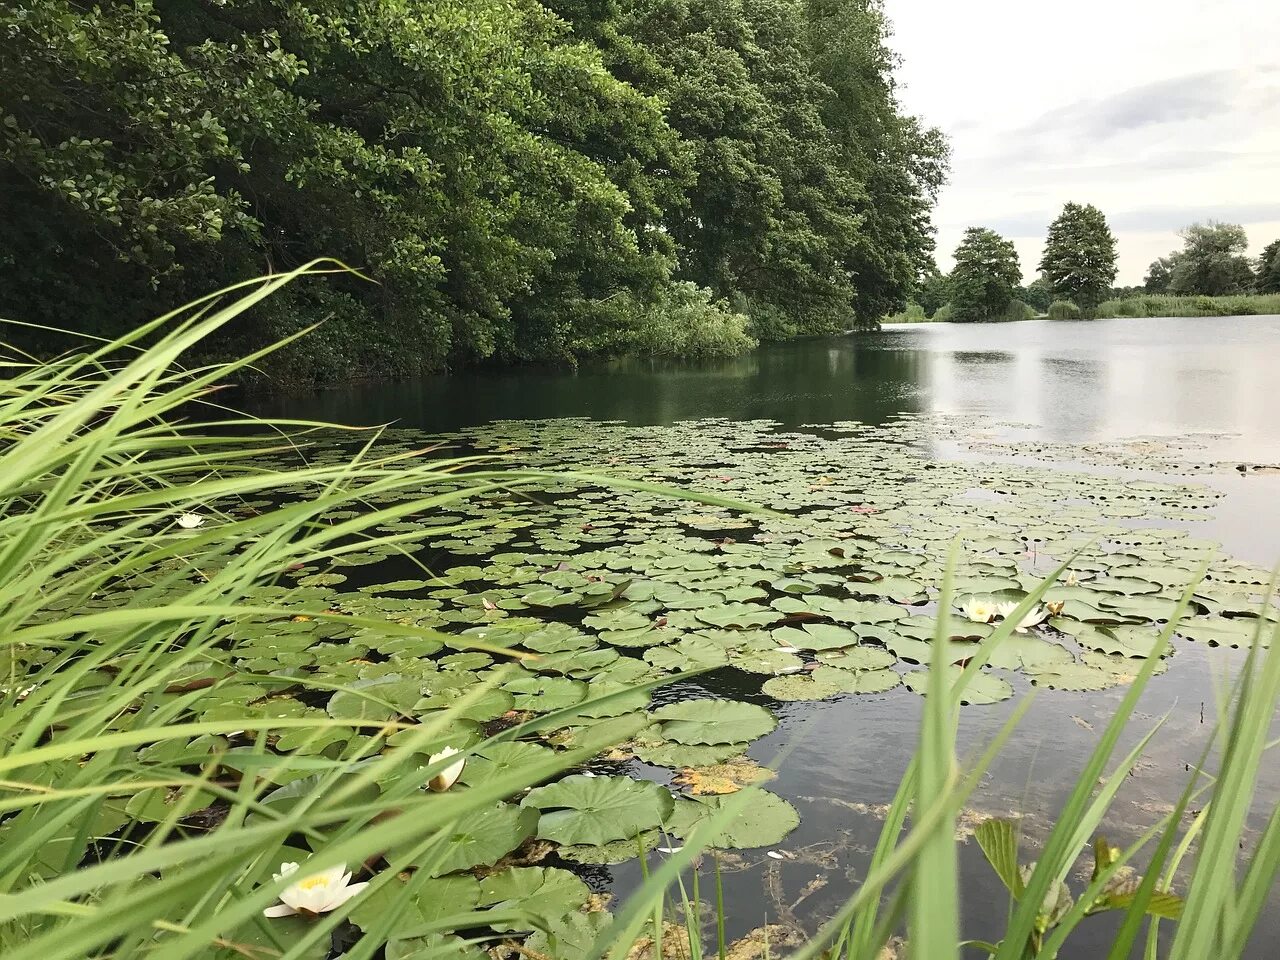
(811, 381)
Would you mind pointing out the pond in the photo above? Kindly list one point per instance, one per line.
(1155, 423)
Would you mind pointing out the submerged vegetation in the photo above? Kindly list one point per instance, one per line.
(524, 180)
(276, 689)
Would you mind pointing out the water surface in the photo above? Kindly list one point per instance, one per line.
(1208, 382)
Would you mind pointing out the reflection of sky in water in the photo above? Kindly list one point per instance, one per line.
(1110, 379)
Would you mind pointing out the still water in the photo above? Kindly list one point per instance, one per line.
(1058, 384)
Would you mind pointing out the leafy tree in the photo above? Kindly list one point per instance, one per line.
(985, 277)
(524, 180)
(1160, 274)
(1079, 260)
(1268, 277)
(933, 289)
(1212, 261)
(1036, 295)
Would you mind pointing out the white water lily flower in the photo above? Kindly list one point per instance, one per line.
(447, 777)
(313, 895)
(979, 609)
(1071, 580)
(189, 521)
(1033, 617)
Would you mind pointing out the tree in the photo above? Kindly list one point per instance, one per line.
(524, 179)
(985, 276)
(933, 289)
(1212, 261)
(1079, 260)
(1160, 273)
(1268, 278)
(1036, 295)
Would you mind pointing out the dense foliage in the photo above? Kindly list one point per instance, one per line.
(1269, 268)
(985, 277)
(523, 180)
(1211, 263)
(1079, 260)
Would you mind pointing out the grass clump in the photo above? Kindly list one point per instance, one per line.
(1064, 310)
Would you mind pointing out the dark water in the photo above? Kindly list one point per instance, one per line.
(1214, 379)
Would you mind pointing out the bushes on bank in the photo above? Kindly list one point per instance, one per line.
(688, 322)
(914, 313)
(1063, 310)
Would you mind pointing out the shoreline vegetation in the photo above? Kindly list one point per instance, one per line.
(523, 182)
(164, 603)
(1133, 306)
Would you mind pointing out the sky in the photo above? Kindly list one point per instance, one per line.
(1159, 113)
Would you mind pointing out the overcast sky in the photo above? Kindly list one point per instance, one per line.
(1160, 113)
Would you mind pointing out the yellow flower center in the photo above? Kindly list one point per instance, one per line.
(312, 882)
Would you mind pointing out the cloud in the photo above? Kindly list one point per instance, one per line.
(1175, 218)
(1196, 96)
(1034, 223)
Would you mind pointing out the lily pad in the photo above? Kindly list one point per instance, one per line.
(482, 837)
(585, 810)
(713, 721)
(982, 688)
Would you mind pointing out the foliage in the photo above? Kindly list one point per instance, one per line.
(1269, 269)
(686, 322)
(1212, 262)
(913, 314)
(985, 276)
(1063, 310)
(522, 180)
(1242, 305)
(933, 289)
(1018, 310)
(943, 314)
(1160, 274)
(1036, 295)
(1079, 260)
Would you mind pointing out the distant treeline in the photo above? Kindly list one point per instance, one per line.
(524, 180)
(1210, 276)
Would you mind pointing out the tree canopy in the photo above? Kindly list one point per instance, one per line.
(523, 180)
(1212, 261)
(985, 277)
(1269, 268)
(1079, 260)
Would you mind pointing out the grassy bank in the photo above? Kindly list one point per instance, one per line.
(163, 751)
(1167, 305)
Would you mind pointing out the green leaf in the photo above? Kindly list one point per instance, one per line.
(999, 842)
(587, 810)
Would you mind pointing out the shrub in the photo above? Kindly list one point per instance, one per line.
(1063, 310)
(688, 322)
(943, 314)
(1018, 310)
(914, 313)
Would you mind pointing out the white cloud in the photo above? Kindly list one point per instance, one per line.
(1160, 113)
